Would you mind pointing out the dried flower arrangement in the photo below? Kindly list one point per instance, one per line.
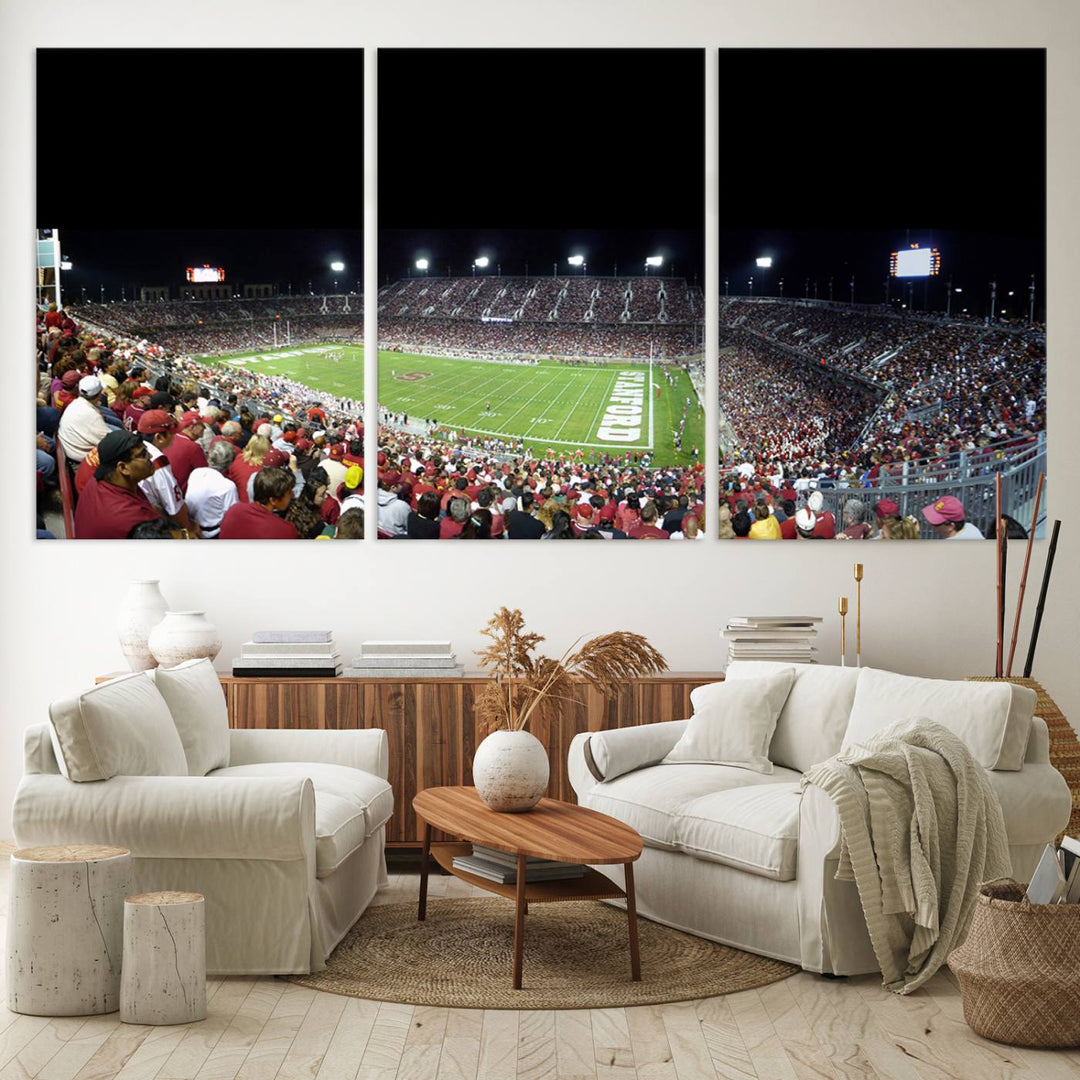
(522, 682)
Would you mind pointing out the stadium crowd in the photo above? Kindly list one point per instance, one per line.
(817, 399)
(538, 299)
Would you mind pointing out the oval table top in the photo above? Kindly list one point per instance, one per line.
(553, 830)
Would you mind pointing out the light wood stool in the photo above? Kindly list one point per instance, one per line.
(65, 929)
(164, 979)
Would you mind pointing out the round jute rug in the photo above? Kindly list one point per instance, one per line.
(577, 956)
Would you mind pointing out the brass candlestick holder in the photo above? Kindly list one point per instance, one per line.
(858, 614)
(841, 607)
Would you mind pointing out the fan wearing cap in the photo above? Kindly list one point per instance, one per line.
(825, 526)
(946, 515)
(276, 459)
(885, 510)
(82, 426)
(158, 428)
(112, 503)
(185, 453)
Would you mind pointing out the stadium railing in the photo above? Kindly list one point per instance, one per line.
(971, 480)
(67, 491)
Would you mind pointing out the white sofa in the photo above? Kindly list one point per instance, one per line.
(282, 831)
(742, 857)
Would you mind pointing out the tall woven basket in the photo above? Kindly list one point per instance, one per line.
(1019, 969)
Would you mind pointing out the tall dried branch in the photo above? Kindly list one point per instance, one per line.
(526, 685)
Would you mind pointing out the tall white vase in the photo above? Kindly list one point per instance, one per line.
(142, 609)
(184, 635)
(510, 771)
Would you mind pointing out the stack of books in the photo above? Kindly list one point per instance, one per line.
(1057, 877)
(787, 639)
(405, 660)
(501, 866)
(297, 653)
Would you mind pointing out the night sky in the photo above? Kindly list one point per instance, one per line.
(870, 149)
(829, 160)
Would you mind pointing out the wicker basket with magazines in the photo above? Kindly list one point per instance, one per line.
(1019, 969)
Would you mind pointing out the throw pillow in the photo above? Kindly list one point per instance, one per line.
(120, 728)
(812, 722)
(193, 693)
(733, 722)
(992, 719)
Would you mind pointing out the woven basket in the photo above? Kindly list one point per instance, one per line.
(1019, 969)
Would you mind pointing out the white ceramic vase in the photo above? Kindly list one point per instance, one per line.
(184, 635)
(142, 609)
(510, 771)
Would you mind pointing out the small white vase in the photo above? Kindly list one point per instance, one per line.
(142, 609)
(510, 771)
(184, 635)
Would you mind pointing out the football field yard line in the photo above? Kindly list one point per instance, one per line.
(588, 431)
(460, 418)
(568, 378)
(506, 380)
(543, 387)
(440, 388)
(604, 400)
(424, 398)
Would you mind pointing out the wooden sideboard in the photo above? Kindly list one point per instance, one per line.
(431, 726)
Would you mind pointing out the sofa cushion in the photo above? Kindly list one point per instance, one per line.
(366, 792)
(811, 725)
(751, 828)
(119, 728)
(339, 830)
(193, 693)
(992, 719)
(733, 722)
(654, 800)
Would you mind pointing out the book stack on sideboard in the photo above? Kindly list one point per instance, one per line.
(405, 660)
(309, 654)
(787, 639)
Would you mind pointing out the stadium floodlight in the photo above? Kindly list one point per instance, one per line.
(576, 260)
(337, 266)
(655, 260)
(764, 262)
(481, 262)
(421, 264)
(65, 264)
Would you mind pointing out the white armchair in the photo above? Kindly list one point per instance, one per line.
(285, 840)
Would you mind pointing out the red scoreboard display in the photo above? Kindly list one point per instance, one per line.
(205, 273)
(915, 262)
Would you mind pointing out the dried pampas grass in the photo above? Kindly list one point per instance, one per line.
(522, 682)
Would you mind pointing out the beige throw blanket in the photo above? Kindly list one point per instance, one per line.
(921, 829)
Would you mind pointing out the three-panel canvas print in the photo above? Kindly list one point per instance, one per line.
(875, 370)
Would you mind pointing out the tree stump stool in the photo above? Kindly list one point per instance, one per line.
(164, 980)
(65, 929)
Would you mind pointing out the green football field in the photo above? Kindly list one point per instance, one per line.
(549, 404)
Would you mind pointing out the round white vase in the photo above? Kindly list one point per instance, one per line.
(184, 635)
(142, 609)
(510, 771)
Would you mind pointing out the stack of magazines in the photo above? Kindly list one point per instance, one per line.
(787, 639)
(288, 653)
(405, 660)
(501, 866)
(1057, 877)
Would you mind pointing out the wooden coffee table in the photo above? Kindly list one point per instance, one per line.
(551, 830)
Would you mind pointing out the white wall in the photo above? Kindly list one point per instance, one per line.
(928, 609)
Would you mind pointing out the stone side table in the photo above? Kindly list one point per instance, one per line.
(164, 979)
(65, 929)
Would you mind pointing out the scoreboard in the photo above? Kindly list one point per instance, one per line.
(915, 262)
(204, 273)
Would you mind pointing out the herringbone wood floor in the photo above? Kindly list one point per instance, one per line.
(804, 1028)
